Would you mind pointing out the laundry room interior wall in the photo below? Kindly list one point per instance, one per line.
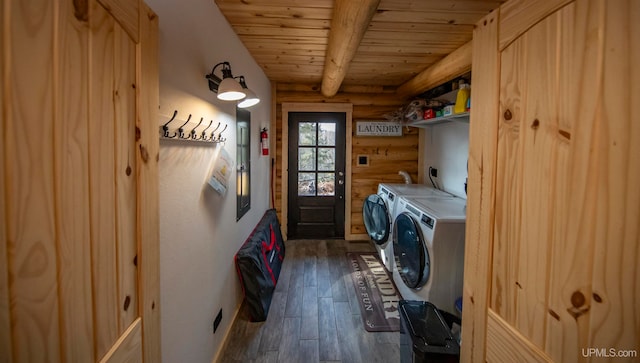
(447, 149)
(199, 235)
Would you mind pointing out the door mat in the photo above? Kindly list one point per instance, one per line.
(377, 295)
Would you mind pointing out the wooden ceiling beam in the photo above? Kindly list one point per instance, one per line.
(455, 64)
(348, 26)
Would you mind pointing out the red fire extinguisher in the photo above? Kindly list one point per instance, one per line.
(264, 141)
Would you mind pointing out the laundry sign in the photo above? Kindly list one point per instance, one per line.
(378, 128)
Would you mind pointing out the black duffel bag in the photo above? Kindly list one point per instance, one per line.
(258, 263)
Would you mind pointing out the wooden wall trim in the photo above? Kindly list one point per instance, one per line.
(5, 312)
(123, 11)
(506, 344)
(517, 16)
(358, 237)
(273, 145)
(453, 65)
(483, 131)
(127, 347)
(422, 137)
(284, 179)
(348, 176)
(287, 107)
(147, 188)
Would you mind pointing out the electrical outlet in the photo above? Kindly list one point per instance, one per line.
(216, 321)
(434, 172)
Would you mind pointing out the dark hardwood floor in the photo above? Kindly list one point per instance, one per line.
(314, 315)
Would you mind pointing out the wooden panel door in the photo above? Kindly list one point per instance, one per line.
(316, 175)
(79, 243)
(552, 235)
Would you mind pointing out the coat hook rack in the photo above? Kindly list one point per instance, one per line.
(193, 134)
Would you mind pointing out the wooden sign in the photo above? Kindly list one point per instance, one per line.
(378, 128)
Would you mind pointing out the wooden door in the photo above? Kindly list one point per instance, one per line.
(78, 175)
(316, 175)
(553, 243)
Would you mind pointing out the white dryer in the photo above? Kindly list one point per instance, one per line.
(428, 247)
(378, 211)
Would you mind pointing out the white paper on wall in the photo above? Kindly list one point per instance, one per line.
(222, 169)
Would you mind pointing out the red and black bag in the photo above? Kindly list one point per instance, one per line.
(258, 263)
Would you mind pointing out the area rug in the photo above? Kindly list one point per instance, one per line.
(377, 296)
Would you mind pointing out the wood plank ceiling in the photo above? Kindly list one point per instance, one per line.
(289, 39)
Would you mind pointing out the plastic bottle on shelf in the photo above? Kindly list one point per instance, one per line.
(462, 97)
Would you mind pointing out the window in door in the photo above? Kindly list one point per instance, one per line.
(243, 151)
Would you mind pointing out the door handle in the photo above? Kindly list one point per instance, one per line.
(340, 182)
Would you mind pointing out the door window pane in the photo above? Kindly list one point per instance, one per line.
(307, 184)
(326, 159)
(327, 134)
(307, 133)
(326, 184)
(243, 152)
(306, 159)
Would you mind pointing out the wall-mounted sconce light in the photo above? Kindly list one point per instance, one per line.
(227, 88)
(251, 98)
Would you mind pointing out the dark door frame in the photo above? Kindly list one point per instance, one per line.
(347, 109)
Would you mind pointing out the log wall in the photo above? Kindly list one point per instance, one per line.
(387, 155)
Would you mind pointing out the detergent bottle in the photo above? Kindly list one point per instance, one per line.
(462, 97)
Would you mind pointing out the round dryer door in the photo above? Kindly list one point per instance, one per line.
(376, 218)
(411, 255)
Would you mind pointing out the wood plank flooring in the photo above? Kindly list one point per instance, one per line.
(314, 315)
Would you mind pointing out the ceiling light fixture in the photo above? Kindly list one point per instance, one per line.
(226, 87)
(251, 99)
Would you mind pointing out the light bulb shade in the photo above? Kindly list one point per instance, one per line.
(250, 100)
(230, 90)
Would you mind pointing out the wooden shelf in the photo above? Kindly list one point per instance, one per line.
(464, 117)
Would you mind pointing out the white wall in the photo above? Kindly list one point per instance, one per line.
(447, 149)
(199, 235)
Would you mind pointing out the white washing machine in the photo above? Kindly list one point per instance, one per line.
(378, 212)
(428, 247)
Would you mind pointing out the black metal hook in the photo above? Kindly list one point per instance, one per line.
(181, 128)
(203, 136)
(220, 134)
(192, 134)
(165, 127)
(212, 137)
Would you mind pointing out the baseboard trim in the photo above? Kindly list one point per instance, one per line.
(226, 334)
(357, 237)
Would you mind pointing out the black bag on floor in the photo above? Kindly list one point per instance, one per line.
(258, 263)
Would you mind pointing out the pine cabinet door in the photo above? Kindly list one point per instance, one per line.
(78, 175)
(552, 227)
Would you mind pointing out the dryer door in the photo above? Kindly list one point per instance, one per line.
(376, 218)
(411, 255)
